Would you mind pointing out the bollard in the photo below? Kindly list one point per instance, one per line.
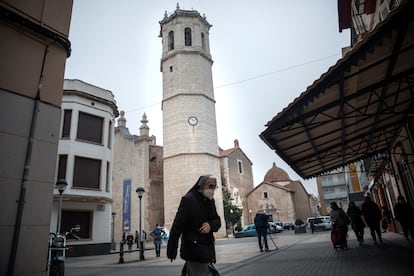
(121, 253)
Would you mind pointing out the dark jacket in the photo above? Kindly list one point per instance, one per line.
(194, 210)
(261, 221)
(354, 213)
(371, 212)
(404, 213)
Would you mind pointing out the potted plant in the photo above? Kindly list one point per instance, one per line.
(300, 226)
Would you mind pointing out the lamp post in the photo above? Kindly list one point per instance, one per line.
(61, 186)
(113, 245)
(231, 221)
(250, 216)
(140, 191)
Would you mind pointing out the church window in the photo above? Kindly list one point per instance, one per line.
(240, 166)
(171, 68)
(203, 41)
(265, 195)
(187, 37)
(170, 41)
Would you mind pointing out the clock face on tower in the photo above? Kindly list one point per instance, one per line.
(192, 120)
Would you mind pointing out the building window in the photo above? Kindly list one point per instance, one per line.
(203, 41)
(171, 68)
(240, 166)
(108, 175)
(90, 128)
(187, 37)
(86, 173)
(265, 195)
(109, 133)
(67, 118)
(170, 41)
(83, 218)
(63, 159)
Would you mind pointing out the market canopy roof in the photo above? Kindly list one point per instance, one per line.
(357, 108)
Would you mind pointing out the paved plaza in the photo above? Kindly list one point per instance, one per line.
(301, 254)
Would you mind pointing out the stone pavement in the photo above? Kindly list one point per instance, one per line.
(301, 254)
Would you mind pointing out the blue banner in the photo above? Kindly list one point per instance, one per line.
(126, 206)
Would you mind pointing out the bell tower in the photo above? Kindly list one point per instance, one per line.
(188, 106)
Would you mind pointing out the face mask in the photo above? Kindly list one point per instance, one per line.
(208, 193)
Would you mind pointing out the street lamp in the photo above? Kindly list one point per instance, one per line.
(250, 216)
(140, 191)
(61, 186)
(113, 245)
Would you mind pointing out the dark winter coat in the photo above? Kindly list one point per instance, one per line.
(354, 213)
(404, 213)
(261, 221)
(194, 210)
(371, 212)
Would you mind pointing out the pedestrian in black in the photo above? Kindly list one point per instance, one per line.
(262, 224)
(195, 222)
(372, 215)
(357, 224)
(137, 238)
(404, 213)
(312, 226)
(157, 235)
(386, 218)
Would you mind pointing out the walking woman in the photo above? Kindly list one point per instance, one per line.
(340, 226)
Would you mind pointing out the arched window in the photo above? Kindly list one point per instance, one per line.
(170, 41)
(187, 37)
(203, 41)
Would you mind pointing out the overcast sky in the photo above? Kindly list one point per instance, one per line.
(265, 53)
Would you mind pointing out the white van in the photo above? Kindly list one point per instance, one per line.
(324, 222)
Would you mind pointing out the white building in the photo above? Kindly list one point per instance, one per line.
(85, 155)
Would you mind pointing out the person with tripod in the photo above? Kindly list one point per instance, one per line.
(261, 223)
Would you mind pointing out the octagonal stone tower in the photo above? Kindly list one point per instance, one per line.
(188, 105)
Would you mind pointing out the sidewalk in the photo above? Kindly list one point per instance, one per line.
(309, 254)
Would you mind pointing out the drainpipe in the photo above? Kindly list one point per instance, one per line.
(26, 170)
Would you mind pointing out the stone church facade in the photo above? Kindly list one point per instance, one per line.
(137, 162)
(285, 200)
(237, 177)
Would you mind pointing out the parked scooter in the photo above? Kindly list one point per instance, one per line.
(57, 251)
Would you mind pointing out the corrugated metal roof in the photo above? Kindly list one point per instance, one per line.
(354, 110)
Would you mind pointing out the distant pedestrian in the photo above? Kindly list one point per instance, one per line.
(372, 215)
(386, 218)
(129, 241)
(312, 226)
(404, 213)
(137, 238)
(357, 224)
(157, 234)
(340, 222)
(262, 224)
